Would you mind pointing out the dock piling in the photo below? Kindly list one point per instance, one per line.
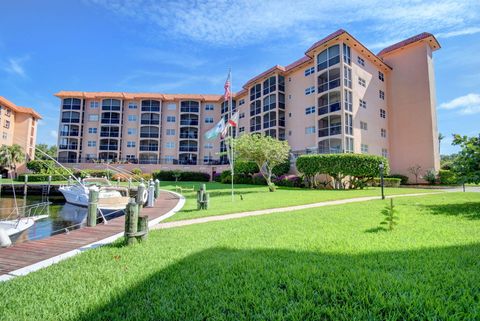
(92, 206)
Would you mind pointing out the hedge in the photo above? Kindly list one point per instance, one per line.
(93, 173)
(403, 178)
(289, 181)
(447, 177)
(387, 182)
(183, 176)
(359, 168)
(41, 177)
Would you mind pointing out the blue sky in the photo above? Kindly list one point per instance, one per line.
(187, 47)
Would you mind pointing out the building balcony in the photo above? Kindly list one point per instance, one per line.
(150, 122)
(189, 135)
(106, 134)
(111, 121)
(188, 122)
(189, 109)
(149, 135)
(68, 146)
(151, 109)
(108, 147)
(188, 149)
(330, 131)
(329, 108)
(329, 85)
(149, 148)
(69, 133)
(71, 120)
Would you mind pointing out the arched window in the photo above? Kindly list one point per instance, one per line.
(149, 132)
(255, 123)
(70, 117)
(71, 103)
(150, 119)
(270, 119)
(111, 104)
(255, 92)
(151, 105)
(329, 102)
(328, 57)
(330, 79)
(255, 107)
(270, 85)
(189, 106)
(269, 102)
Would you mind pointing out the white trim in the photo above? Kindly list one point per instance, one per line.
(50, 261)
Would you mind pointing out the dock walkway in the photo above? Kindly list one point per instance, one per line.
(28, 256)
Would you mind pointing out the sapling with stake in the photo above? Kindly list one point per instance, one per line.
(390, 216)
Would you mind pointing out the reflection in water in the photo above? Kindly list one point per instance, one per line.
(62, 217)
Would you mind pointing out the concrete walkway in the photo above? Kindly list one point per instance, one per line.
(225, 217)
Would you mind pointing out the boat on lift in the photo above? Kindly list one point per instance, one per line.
(110, 198)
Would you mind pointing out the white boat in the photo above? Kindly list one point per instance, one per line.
(109, 197)
(12, 227)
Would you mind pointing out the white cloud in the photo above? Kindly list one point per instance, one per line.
(466, 105)
(223, 22)
(15, 66)
(460, 32)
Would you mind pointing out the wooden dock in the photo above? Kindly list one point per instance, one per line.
(31, 252)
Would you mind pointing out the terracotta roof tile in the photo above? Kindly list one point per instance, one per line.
(19, 109)
(326, 39)
(297, 63)
(408, 41)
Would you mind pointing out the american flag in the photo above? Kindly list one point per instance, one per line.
(227, 88)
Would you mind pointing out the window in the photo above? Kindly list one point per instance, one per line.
(91, 143)
(347, 77)
(363, 125)
(132, 117)
(329, 103)
(381, 76)
(242, 115)
(170, 119)
(310, 130)
(241, 102)
(360, 61)
(348, 100)
(362, 82)
(269, 102)
(281, 83)
(384, 152)
(241, 129)
(92, 117)
(208, 146)
(255, 92)
(310, 110)
(309, 71)
(131, 131)
(383, 113)
(328, 57)
(92, 130)
(170, 132)
(310, 90)
(93, 104)
(171, 106)
(132, 106)
(362, 103)
(111, 104)
(5, 135)
(208, 120)
(209, 107)
(255, 108)
(130, 144)
(383, 132)
(68, 103)
(168, 159)
(346, 54)
(349, 145)
(348, 124)
(170, 145)
(270, 85)
(255, 123)
(364, 148)
(329, 80)
(381, 94)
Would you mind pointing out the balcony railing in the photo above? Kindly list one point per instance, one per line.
(329, 85)
(188, 148)
(189, 109)
(189, 122)
(151, 109)
(69, 133)
(109, 134)
(149, 135)
(149, 148)
(108, 147)
(71, 120)
(150, 121)
(330, 131)
(68, 146)
(189, 135)
(329, 108)
(111, 121)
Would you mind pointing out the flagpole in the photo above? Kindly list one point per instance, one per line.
(232, 161)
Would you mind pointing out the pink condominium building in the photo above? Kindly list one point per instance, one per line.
(339, 98)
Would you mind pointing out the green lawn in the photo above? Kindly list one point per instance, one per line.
(257, 197)
(330, 263)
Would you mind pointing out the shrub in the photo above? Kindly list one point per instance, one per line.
(447, 166)
(217, 177)
(94, 173)
(121, 177)
(359, 167)
(258, 179)
(182, 176)
(289, 181)
(281, 169)
(430, 176)
(136, 171)
(387, 182)
(447, 177)
(46, 167)
(226, 178)
(403, 178)
(41, 177)
(245, 167)
(146, 176)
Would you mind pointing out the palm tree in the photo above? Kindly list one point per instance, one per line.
(10, 156)
(440, 138)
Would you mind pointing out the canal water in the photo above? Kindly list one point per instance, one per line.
(62, 217)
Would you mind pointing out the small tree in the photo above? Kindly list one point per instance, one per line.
(430, 176)
(466, 165)
(10, 156)
(415, 170)
(50, 151)
(265, 151)
(390, 216)
(440, 138)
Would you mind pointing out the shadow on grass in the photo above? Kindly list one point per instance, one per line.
(376, 230)
(226, 284)
(469, 210)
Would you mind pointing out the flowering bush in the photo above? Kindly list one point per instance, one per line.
(289, 181)
(258, 179)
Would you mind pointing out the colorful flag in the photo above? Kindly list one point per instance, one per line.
(227, 94)
(213, 133)
(234, 120)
